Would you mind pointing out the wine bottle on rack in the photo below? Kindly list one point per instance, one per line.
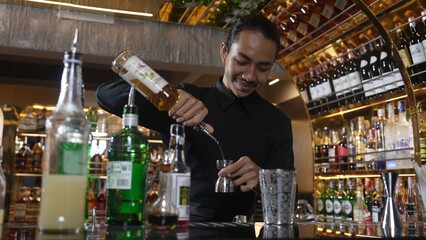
(387, 67)
(365, 71)
(417, 50)
(337, 84)
(344, 80)
(354, 78)
(314, 104)
(403, 46)
(304, 93)
(375, 69)
(319, 91)
(329, 89)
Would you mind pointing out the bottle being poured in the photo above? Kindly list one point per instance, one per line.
(151, 85)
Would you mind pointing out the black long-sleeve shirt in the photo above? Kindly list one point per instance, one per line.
(248, 126)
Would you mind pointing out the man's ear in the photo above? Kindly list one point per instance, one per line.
(223, 52)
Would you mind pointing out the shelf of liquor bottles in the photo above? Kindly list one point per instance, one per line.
(213, 13)
(363, 231)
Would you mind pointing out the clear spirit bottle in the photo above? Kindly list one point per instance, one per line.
(66, 153)
(180, 174)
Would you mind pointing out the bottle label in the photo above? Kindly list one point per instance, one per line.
(130, 119)
(347, 207)
(345, 84)
(337, 207)
(70, 158)
(341, 4)
(376, 214)
(383, 55)
(302, 28)
(398, 77)
(337, 85)
(370, 154)
(304, 96)
(355, 80)
(417, 53)
(320, 206)
(331, 155)
(389, 81)
(328, 11)
(404, 57)
(315, 20)
(180, 189)
(292, 35)
(329, 206)
(119, 175)
(145, 74)
(326, 88)
(129, 77)
(373, 59)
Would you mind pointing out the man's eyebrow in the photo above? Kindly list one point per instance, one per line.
(249, 59)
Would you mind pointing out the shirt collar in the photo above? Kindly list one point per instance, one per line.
(225, 99)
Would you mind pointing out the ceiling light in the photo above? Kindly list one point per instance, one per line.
(273, 81)
(99, 9)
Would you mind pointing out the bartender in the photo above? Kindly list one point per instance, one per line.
(251, 131)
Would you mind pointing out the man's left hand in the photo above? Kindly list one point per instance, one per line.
(244, 172)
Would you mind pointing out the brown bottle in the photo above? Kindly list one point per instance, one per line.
(21, 205)
(132, 69)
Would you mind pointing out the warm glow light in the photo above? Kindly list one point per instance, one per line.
(274, 81)
(99, 9)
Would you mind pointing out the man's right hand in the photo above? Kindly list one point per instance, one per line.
(189, 111)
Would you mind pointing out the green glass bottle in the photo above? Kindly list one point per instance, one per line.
(350, 199)
(320, 204)
(128, 159)
(339, 213)
(329, 202)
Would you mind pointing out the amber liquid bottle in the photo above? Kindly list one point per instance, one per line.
(147, 81)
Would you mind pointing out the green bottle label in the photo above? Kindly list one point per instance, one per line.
(119, 175)
(70, 158)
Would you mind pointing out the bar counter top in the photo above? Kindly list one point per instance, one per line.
(220, 230)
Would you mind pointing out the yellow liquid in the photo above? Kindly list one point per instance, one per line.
(63, 203)
(163, 100)
(1, 216)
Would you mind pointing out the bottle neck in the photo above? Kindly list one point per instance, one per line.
(130, 117)
(177, 145)
(71, 82)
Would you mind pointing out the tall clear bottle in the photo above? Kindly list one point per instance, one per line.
(402, 137)
(180, 174)
(128, 159)
(390, 135)
(66, 153)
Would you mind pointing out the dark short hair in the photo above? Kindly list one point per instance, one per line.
(254, 22)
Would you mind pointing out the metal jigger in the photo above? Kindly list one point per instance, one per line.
(224, 184)
(391, 224)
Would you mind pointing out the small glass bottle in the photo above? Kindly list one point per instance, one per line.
(128, 158)
(180, 174)
(410, 214)
(66, 153)
(151, 85)
(163, 213)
